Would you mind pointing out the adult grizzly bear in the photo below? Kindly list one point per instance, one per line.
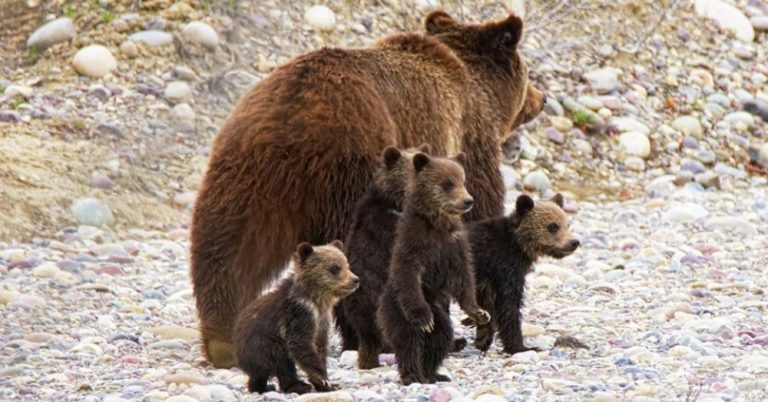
(301, 148)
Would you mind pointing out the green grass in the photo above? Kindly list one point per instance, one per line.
(79, 125)
(18, 102)
(34, 54)
(107, 15)
(69, 11)
(2, 89)
(581, 118)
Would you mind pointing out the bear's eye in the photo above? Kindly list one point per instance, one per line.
(553, 227)
(335, 270)
(447, 185)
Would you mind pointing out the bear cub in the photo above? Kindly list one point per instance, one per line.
(431, 264)
(504, 250)
(289, 325)
(368, 248)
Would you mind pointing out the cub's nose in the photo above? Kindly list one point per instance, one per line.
(575, 244)
(355, 281)
(469, 202)
(544, 100)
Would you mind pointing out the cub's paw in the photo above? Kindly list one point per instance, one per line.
(481, 317)
(324, 386)
(299, 388)
(442, 378)
(458, 345)
(423, 319)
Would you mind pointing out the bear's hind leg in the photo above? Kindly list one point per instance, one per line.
(436, 346)
(288, 379)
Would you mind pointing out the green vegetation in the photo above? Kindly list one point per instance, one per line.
(18, 102)
(34, 54)
(69, 11)
(581, 118)
(107, 15)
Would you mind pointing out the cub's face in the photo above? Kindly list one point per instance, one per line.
(543, 228)
(493, 48)
(327, 268)
(393, 176)
(440, 183)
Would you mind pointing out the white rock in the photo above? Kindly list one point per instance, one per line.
(686, 212)
(531, 330)
(525, 357)
(754, 363)
(537, 180)
(152, 37)
(634, 163)
(200, 393)
(181, 398)
(590, 102)
(16, 91)
(688, 125)
(635, 143)
(735, 224)
(562, 124)
(94, 61)
(489, 398)
(56, 31)
(129, 49)
(220, 393)
(604, 80)
(320, 17)
(178, 91)
(326, 397)
(554, 271)
(184, 113)
(348, 358)
(727, 16)
(740, 117)
(185, 198)
(509, 175)
(90, 211)
(760, 155)
(45, 270)
(624, 124)
(201, 33)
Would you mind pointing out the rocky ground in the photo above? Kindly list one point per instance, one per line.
(655, 130)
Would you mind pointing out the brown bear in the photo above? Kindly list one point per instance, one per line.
(289, 325)
(301, 148)
(504, 250)
(431, 264)
(368, 247)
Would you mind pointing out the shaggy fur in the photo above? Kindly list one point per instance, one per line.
(301, 148)
(431, 264)
(290, 325)
(504, 250)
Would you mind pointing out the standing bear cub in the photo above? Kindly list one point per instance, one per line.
(302, 146)
(431, 264)
(504, 251)
(290, 325)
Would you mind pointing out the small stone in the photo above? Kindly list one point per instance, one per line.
(760, 23)
(8, 296)
(743, 118)
(186, 378)
(90, 211)
(634, 163)
(624, 124)
(199, 393)
(185, 199)
(688, 125)
(561, 123)
(201, 33)
(553, 107)
(686, 212)
(635, 143)
(530, 330)
(326, 397)
(94, 61)
(129, 49)
(181, 398)
(567, 341)
(348, 358)
(29, 301)
(152, 37)
(100, 180)
(759, 155)
(692, 166)
(9, 116)
(174, 332)
(110, 128)
(18, 91)
(536, 180)
(220, 393)
(178, 91)
(320, 17)
(700, 77)
(184, 113)
(590, 102)
(555, 136)
(56, 31)
(184, 73)
(582, 146)
(604, 80)
(758, 108)
(45, 270)
(734, 224)
(490, 398)
(727, 16)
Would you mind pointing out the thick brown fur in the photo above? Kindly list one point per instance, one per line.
(301, 148)
(504, 250)
(289, 325)
(431, 264)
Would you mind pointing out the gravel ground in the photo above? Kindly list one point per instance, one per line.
(655, 130)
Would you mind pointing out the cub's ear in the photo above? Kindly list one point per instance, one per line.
(558, 199)
(425, 148)
(391, 156)
(461, 157)
(420, 161)
(438, 21)
(508, 33)
(338, 244)
(304, 250)
(523, 205)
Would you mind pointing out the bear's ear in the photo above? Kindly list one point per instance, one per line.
(508, 34)
(304, 250)
(420, 161)
(438, 21)
(391, 156)
(338, 244)
(558, 199)
(461, 157)
(425, 148)
(523, 205)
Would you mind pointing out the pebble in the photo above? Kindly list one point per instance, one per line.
(326, 397)
(634, 163)
(635, 143)
(94, 61)
(530, 330)
(758, 108)
(152, 37)
(688, 125)
(174, 332)
(590, 102)
(201, 33)
(185, 199)
(178, 92)
(742, 118)
(554, 135)
(185, 378)
(9, 116)
(624, 124)
(727, 16)
(561, 123)
(46, 270)
(537, 180)
(129, 49)
(604, 80)
(90, 211)
(759, 155)
(101, 180)
(321, 18)
(760, 23)
(184, 113)
(51, 33)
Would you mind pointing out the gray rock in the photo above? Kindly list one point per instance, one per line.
(720, 99)
(688, 125)
(9, 116)
(590, 102)
(553, 107)
(604, 80)
(202, 34)
(184, 113)
(56, 31)
(90, 211)
(100, 92)
(758, 108)
(624, 124)
(555, 135)
(178, 91)
(110, 129)
(759, 155)
(634, 163)
(708, 179)
(692, 166)
(742, 95)
(100, 180)
(184, 73)
(706, 157)
(152, 37)
(760, 23)
(536, 180)
(743, 118)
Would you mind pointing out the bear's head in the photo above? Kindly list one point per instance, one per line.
(325, 270)
(392, 177)
(491, 50)
(438, 186)
(543, 228)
